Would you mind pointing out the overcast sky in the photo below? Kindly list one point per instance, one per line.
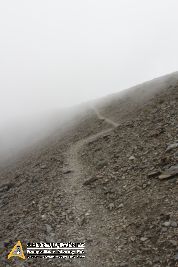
(55, 53)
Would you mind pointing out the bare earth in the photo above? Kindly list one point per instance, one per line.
(110, 180)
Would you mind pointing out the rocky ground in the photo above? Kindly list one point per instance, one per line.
(109, 180)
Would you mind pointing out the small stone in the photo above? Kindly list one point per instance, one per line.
(176, 257)
(174, 169)
(119, 248)
(172, 146)
(36, 170)
(48, 228)
(88, 213)
(173, 224)
(154, 174)
(133, 238)
(164, 229)
(143, 239)
(121, 205)
(132, 158)
(83, 221)
(90, 180)
(173, 242)
(144, 186)
(43, 216)
(156, 259)
(167, 224)
(176, 155)
(44, 166)
(6, 187)
(111, 206)
(164, 176)
(149, 263)
(169, 173)
(173, 180)
(67, 171)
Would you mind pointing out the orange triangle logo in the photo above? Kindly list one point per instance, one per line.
(17, 251)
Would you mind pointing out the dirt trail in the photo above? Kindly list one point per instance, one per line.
(109, 121)
(91, 223)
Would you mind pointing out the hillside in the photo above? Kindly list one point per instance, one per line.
(110, 180)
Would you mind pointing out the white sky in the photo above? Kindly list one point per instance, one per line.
(55, 53)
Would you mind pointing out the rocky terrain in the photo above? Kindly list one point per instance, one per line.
(110, 179)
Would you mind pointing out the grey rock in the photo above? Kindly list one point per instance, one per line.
(83, 221)
(43, 166)
(133, 238)
(173, 224)
(172, 146)
(43, 216)
(90, 181)
(176, 257)
(6, 187)
(173, 180)
(167, 224)
(67, 171)
(173, 242)
(111, 206)
(132, 158)
(36, 169)
(154, 174)
(48, 228)
(164, 229)
(174, 168)
(121, 205)
(143, 239)
(169, 173)
(176, 155)
(144, 186)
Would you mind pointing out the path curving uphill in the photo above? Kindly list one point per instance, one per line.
(91, 220)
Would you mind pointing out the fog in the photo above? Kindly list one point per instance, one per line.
(56, 54)
(23, 134)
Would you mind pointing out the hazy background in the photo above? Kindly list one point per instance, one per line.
(56, 53)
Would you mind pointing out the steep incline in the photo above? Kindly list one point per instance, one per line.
(110, 180)
(136, 166)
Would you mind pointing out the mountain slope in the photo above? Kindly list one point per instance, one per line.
(102, 182)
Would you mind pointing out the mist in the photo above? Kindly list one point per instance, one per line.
(57, 54)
